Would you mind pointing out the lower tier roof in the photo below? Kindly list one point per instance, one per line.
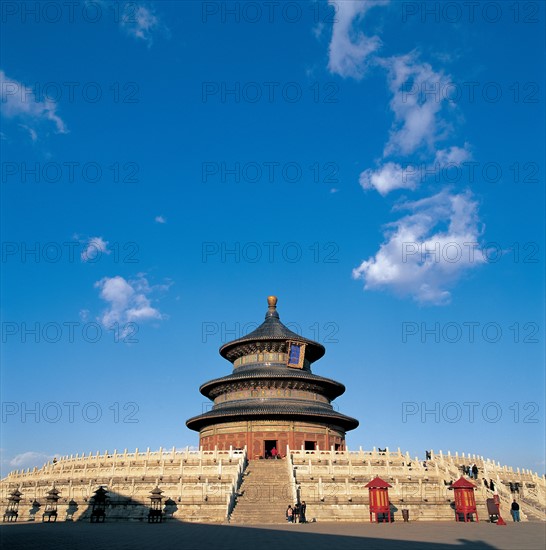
(272, 411)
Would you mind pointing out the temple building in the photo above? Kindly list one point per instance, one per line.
(272, 399)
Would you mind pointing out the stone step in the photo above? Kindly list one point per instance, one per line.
(253, 512)
(263, 483)
(252, 506)
(265, 476)
(264, 493)
(269, 502)
(266, 487)
(265, 480)
(257, 521)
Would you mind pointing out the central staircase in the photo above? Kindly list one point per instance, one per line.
(265, 493)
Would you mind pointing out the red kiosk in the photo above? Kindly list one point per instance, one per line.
(379, 498)
(465, 502)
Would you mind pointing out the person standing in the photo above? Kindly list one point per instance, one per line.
(475, 471)
(289, 514)
(296, 512)
(303, 509)
(514, 510)
(274, 452)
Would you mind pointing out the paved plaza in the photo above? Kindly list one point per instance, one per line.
(316, 536)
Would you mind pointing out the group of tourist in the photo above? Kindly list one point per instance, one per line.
(490, 485)
(296, 513)
(470, 471)
(514, 487)
(273, 453)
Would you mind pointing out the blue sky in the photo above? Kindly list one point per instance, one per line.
(379, 166)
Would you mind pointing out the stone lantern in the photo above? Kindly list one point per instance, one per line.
(170, 508)
(35, 507)
(379, 499)
(465, 501)
(50, 510)
(71, 510)
(155, 515)
(98, 510)
(12, 511)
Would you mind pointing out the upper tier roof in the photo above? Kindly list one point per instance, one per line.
(271, 332)
(289, 377)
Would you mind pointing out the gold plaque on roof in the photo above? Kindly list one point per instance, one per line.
(296, 355)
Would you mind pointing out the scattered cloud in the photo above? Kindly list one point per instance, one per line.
(452, 156)
(318, 29)
(31, 131)
(417, 256)
(19, 102)
(418, 98)
(94, 248)
(428, 250)
(84, 315)
(391, 175)
(128, 300)
(350, 48)
(29, 459)
(160, 219)
(142, 22)
(388, 177)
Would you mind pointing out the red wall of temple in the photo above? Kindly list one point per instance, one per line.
(254, 441)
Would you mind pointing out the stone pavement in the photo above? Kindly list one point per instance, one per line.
(316, 536)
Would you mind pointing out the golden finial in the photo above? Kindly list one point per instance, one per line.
(272, 302)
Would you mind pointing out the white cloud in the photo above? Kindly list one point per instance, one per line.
(452, 156)
(318, 29)
(160, 219)
(128, 300)
(418, 97)
(427, 251)
(84, 315)
(349, 48)
(31, 131)
(388, 177)
(391, 175)
(94, 248)
(18, 101)
(142, 22)
(29, 459)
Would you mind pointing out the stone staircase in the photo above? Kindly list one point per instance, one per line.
(531, 510)
(265, 493)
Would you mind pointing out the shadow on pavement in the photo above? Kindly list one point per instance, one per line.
(133, 536)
